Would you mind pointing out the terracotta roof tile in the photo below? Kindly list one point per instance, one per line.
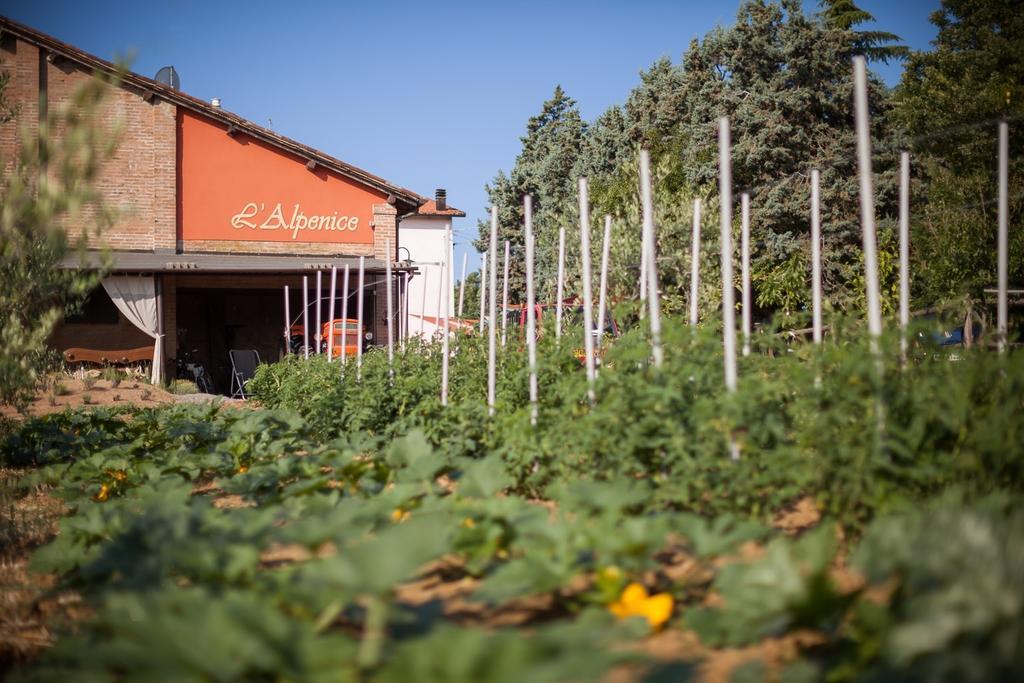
(430, 209)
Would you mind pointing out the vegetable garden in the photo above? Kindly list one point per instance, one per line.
(361, 531)
(843, 509)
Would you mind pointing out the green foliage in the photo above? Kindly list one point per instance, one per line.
(47, 187)
(787, 589)
(785, 80)
(182, 386)
(544, 170)
(280, 541)
(371, 491)
(555, 654)
(200, 636)
(958, 605)
(949, 100)
(845, 14)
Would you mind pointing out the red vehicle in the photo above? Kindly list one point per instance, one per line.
(572, 314)
(346, 333)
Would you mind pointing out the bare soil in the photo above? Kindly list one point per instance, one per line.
(30, 606)
(65, 391)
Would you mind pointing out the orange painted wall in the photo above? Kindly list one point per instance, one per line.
(235, 188)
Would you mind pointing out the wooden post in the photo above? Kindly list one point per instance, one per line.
(359, 316)
(728, 312)
(695, 263)
(344, 317)
(287, 322)
(653, 301)
(1003, 237)
(745, 270)
(493, 301)
(588, 311)
(867, 200)
(602, 296)
(330, 315)
(560, 287)
(305, 315)
(462, 283)
(816, 256)
(390, 312)
(531, 311)
(905, 253)
(318, 330)
(504, 298)
(446, 293)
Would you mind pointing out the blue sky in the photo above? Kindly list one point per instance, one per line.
(424, 94)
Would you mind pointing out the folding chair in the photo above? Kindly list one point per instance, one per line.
(243, 367)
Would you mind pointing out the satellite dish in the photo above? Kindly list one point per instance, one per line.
(168, 76)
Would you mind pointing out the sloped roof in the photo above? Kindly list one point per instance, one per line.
(430, 209)
(405, 199)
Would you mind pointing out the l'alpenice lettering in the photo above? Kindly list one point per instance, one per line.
(249, 217)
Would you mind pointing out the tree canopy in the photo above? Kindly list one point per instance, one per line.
(784, 79)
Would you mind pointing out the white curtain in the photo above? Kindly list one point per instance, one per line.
(135, 297)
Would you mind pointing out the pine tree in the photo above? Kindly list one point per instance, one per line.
(785, 81)
(546, 170)
(949, 100)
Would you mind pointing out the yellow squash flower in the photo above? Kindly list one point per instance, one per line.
(399, 515)
(103, 494)
(635, 602)
(242, 469)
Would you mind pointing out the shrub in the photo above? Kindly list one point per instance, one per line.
(112, 375)
(181, 386)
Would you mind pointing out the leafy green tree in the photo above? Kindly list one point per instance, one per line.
(784, 78)
(785, 81)
(875, 45)
(545, 169)
(950, 99)
(471, 297)
(47, 188)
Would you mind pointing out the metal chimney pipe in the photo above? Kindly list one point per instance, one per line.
(441, 199)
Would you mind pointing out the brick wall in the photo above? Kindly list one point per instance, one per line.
(310, 248)
(138, 182)
(21, 61)
(385, 231)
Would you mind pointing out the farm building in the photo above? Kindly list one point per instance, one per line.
(217, 215)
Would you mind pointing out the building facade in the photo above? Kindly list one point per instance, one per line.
(422, 241)
(218, 215)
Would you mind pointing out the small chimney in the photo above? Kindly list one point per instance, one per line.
(215, 102)
(441, 199)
